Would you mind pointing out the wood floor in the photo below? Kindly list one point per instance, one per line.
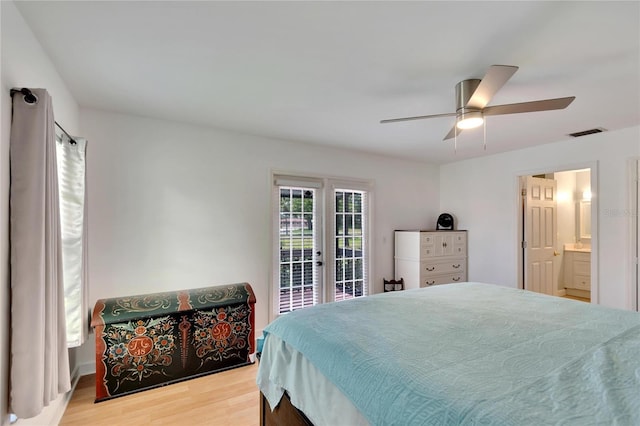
(227, 398)
(582, 299)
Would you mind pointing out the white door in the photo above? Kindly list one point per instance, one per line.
(350, 244)
(540, 236)
(298, 248)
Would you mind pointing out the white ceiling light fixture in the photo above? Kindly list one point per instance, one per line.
(469, 120)
(467, 117)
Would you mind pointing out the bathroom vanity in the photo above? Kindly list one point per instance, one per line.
(577, 270)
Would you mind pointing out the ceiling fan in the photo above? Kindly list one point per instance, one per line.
(473, 95)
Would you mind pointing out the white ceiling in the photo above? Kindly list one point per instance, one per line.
(328, 72)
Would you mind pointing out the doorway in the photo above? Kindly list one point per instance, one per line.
(321, 229)
(557, 225)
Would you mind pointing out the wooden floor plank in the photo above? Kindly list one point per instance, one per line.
(227, 398)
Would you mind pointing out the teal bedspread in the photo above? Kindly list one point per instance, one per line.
(474, 354)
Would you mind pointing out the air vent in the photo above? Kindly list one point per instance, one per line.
(588, 132)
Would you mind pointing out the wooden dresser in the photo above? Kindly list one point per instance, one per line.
(426, 258)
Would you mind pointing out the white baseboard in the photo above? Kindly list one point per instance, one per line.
(86, 368)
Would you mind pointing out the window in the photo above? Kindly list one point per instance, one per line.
(73, 228)
(299, 278)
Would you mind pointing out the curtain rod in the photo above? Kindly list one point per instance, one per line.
(30, 98)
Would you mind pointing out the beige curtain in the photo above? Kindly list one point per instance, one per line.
(39, 357)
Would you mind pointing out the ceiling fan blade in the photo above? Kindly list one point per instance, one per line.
(533, 106)
(419, 117)
(452, 133)
(496, 77)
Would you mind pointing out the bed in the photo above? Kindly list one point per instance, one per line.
(465, 353)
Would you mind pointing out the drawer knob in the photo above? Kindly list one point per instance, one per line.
(456, 266)
(433, 268)
(456, 279)
(430, 282)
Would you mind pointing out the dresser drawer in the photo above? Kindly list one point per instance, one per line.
(443, 279)
(580, 256)
(448, 266)
(460, 238)
(580, 267)
(582, 282)
(428, 251)
(427, 239)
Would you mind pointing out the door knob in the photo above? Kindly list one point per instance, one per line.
(555, 253)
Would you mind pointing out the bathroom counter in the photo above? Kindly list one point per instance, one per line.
(577, 248)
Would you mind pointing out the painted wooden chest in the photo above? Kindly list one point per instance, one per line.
(152, 340)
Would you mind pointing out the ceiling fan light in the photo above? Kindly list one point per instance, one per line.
(470, 120)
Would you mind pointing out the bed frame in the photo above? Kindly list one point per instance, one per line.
(285, 413)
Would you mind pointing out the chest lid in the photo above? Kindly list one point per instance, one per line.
(123, 309)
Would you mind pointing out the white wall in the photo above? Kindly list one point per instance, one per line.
(483, 194)
(583, 181)
(24, 64)
(174, 206)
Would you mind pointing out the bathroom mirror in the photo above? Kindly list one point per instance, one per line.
(584, 219)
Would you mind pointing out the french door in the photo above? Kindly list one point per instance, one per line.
(311, 214)
(299, 246)
(350, 243)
